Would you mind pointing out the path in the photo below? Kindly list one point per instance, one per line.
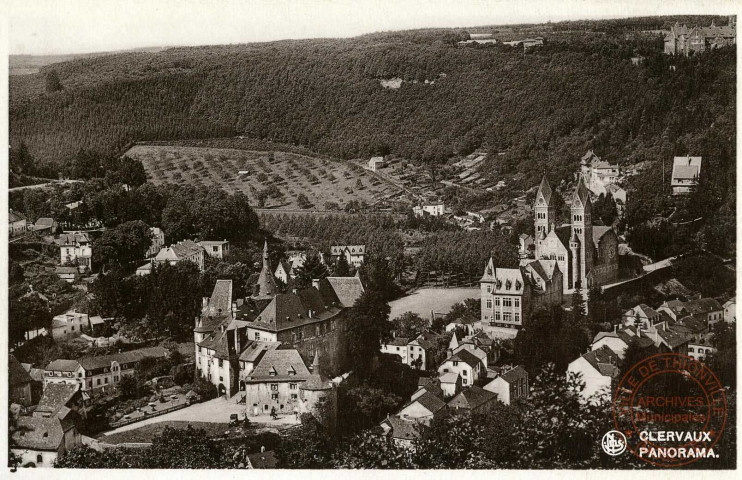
(217, 410)
(42, 185)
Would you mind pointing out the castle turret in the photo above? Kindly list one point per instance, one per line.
(266, 286)
(320, 396)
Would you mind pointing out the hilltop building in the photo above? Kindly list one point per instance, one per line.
(683, 40)
(587, 255)
(434, 210)
(685, 173)
(158, 241)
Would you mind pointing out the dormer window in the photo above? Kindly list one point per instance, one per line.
(292, 370)
(272, 372)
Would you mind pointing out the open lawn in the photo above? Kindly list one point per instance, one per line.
(275, 176)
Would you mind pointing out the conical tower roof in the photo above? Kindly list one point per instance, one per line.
(580, 193)
(317, 381)
(544, 190)
(266, 286)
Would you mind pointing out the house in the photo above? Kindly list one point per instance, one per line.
(685, 174)
(101, 373)
(70, 324)
(45, 226)
(701, 346)
(434, 210)
(597, 370)
(397, 346)
(599, 174)
(525, 246)
(423, 408)
(376, 163)
(274, 383)
(474, 350)
(510, 385)
(683, 40)
(673, 309)
(283, 272)
(75, 248)
(730, 310)
(420, 351)
(642, 314)
(57, 396)
(473, 400)
(17, 223)
(510, 295)
(465, 364)
(673, 289)
(450, 383)
(402, 432)
(428, 384)
(40, 441)
(706, 309)
(19, 383)
(353, 253)
(186, 250)
(617, 340)
(145, 269)
(158, 241)
(216, 248)
(68, 274)
(483, 342)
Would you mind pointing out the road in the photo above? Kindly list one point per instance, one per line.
(42, 185)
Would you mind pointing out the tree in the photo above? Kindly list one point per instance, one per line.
(124, 244)
(312, 269)
(365, 406)
(370, 326)
(53, 84)
(307, 447)
(184, 448)
(28, 313)
(128, 387)
(371, 451)
(409, 325)
(342, 268)
(303, 201)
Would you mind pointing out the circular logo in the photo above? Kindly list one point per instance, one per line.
(613, 443)
(672, 410)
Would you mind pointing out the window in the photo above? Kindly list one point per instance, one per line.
(105, 380)
(507, 302)
(489, 288)
(455, 364)
(274, 396)
(294, 396)
(397, 348)
(79, 374)
(489, 303)
(274, 387)
(463, 373)
(73, 328)
(497, 315)
(317, 331)
(221, 379)
(517, 317)
(257, 335)
(220, 363)
(517, 302)
(292, 386)
(98, 381)
(265, 407)
(507, 316)
(39, 459)
(497, 301)
(465, 382)
(199, 349)
(116, 379)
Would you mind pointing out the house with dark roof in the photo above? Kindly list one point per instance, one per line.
(464, 363)
(597, 369)
(57, 396)
(101, 373)
(707, 309)
(19, 383)
(187, 250)
(262, 459)
(685, 173)
(40, 441)
(683, 40)
(402, 432)
(510, 385)
(273, 385)
(75, 248)
(473, 400)
(423, 408)
(641, 314)
(396, 346)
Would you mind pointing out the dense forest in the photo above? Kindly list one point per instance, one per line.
(534, 111)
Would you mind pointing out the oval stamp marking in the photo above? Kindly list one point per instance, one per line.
(672, 410)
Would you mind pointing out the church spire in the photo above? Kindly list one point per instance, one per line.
(265, 254)
(544, 191)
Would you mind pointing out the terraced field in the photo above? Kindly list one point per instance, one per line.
(271, 179)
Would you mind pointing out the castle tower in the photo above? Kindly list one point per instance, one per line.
(582, 228)
(543, 210)
(266, 286)
(320, 396)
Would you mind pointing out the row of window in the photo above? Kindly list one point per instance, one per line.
(506, 301)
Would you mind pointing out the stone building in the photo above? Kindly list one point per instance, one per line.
(683, 40)
(587, 255)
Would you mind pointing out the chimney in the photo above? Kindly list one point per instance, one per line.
(615, 329)
(315, 283)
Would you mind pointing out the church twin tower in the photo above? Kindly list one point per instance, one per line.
(572, 247)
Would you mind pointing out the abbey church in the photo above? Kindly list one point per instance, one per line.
(587, 255)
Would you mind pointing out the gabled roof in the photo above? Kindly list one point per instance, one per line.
(15, 217)
(398, 342)
(290, 310)
(642, 311)
(428, 400)
(213, 243)
(61, 365)
(56, 396)
(702, 306)
(354, 249)
(317, 380)
(515, 374)
(265, 459)
(674, 335)
(466, 357)
(402, 429)
(17, 375)
(37, 433)
(73, 238)
(449, 377)
(254, 349)
(220, 302)
(93, 363)
(604, 360)
(426, 340)
(472, 398)
(686, 168)
(279, 365)
(347, 289)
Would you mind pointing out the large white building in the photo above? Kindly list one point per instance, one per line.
(186, 250)
(75, 248)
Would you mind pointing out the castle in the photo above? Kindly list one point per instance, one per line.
(587, 255)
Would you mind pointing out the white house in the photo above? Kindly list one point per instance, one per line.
(510, 385)
(353, 253)
(423, 408)
(376, 163)
(17, 223)
(397, 346)
(451, 384)
(75, 248)
(597, 369)
(70, 324)
(185, 250)
(465, 364)
(216, 248)
(730, 310)
(434, 210)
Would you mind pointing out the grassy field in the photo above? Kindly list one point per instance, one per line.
(278, 177)
(146, 433)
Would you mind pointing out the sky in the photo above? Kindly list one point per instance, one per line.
(39, 27)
